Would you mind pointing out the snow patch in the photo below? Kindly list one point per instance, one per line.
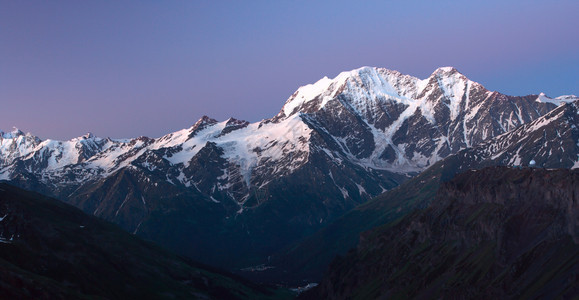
(361, 189)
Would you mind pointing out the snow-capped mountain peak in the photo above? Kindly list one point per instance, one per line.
(373, 118)
(88, 135)
(12, 134)
(387, 104)
(321, 91)
(369, 88)
(335, 144)
(558, 100)
(85, 137)
(377, 118)
(446, 70)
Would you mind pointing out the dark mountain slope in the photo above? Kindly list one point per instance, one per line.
(50, 250)
(307, 260)
(494, 233)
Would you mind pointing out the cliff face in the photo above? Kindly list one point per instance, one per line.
(497, 232)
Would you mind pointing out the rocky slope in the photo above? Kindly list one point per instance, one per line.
(552, 141)
(256, 187)
(494, 233)
(51, 250)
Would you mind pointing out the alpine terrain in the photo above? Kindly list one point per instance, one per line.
(232, 193)
(552, 141)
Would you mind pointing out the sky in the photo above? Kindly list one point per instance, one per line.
(125, 69)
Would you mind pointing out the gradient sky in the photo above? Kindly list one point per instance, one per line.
(131, 68)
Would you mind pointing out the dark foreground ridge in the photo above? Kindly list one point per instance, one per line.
(494, 233)
(51, 250)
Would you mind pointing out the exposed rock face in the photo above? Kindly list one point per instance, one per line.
(494, 233)
(551, 140)
(51, 250)
(387, 120)
(335, 144)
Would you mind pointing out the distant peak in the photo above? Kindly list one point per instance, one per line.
(446, 70)
(364, 69)
(88, 135)
(567, 97)
(13, 134)
(233, 124)
(16, 131)
(557, 101)
(206, 120)
(373, 80)
(234, 121)
(201, 124)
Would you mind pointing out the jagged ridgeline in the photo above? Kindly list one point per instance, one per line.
(551, 141)
(232, 193)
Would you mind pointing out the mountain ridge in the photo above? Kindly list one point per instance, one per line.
(365, 132)
(551, 141)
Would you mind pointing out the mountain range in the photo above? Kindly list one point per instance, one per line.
(233, 193)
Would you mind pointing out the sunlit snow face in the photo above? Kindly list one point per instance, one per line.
(363, 92)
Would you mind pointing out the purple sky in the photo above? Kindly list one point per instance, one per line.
(131, 68)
